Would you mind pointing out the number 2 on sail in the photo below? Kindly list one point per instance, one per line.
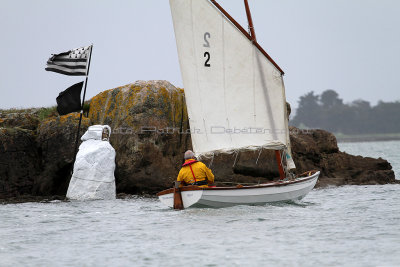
(207, 56)
(207, 44)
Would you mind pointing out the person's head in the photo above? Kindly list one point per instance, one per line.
(105, 134)
(189, 154)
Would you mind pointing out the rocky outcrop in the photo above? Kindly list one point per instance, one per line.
(36, 156)
(56, 143)
(150, 134)
(27, 121)
(146, 118)
(19, 162)
(317, 149)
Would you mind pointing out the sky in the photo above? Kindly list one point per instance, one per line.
(351, 46)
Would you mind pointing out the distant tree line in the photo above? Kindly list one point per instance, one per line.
(327, 111)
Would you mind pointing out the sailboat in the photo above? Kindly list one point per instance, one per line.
(236, 101)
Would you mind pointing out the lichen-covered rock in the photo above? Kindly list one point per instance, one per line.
(146, 118)
(19, 162)
(26, 121)
(56, 144)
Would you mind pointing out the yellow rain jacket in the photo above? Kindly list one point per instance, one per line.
(200, 172)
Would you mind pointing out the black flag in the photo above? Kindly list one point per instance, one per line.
(70, 100)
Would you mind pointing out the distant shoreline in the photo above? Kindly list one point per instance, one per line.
(366, 138)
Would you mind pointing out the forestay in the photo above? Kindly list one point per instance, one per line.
(235, 95)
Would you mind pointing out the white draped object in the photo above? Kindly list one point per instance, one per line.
(93, 176)
(234, 94)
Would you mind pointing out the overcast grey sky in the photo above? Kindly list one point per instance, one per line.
(351, 46)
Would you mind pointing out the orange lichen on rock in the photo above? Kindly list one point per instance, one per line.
(136, 105)
(70, 120)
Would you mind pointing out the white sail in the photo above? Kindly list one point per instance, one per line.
(234, 94)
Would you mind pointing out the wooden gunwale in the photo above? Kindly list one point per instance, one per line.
(194, 188)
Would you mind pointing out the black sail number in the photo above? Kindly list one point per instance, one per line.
(207, 56)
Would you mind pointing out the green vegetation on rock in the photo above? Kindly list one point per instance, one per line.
(45, 113)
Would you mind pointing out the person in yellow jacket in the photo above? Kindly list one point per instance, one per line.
(194, 172)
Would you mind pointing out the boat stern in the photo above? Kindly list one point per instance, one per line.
(189, 198)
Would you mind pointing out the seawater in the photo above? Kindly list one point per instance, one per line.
(338, 226)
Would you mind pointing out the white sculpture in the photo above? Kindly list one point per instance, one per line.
(93, 176)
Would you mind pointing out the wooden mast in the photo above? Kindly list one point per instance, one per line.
(254, 39)
(280, 167)
(250, 20)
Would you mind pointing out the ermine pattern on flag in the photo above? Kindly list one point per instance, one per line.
(73, 62)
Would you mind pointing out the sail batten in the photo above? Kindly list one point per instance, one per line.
(234, 93)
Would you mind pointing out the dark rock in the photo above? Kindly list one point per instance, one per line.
(19, 162)
(26, 121)
(56, 144)
(288, 109)
(318, 150)
(243, 167)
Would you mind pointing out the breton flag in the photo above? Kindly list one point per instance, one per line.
(70, 100)
(74, 62)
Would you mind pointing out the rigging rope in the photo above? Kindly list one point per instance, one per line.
(234, 163)
(259, 154)
(212, 160)
(289, 175)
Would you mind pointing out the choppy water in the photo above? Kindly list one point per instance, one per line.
(350, 226)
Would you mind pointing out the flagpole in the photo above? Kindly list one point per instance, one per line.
(83, 102)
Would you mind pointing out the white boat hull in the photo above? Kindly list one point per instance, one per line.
(250, 195)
